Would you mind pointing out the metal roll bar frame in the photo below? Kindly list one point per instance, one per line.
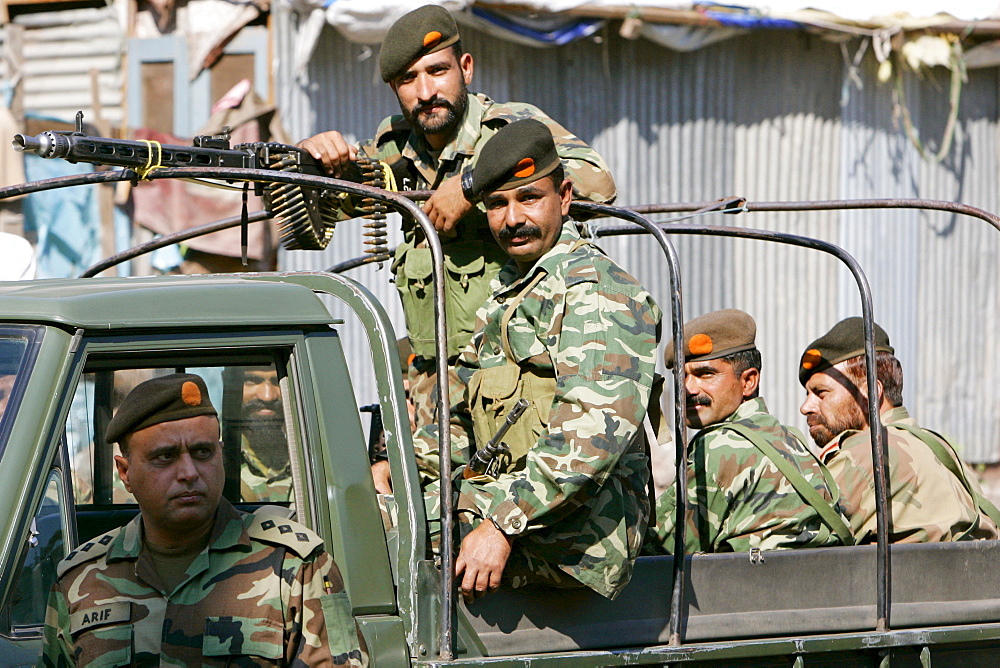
(883, 572)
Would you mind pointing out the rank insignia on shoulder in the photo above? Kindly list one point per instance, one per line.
(287, 533)
(89, 551)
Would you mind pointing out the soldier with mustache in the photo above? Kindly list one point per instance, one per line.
(574, 336)
(933, 495)
(434, 144)
(751, 482)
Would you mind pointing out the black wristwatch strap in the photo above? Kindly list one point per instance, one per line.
(467, 186)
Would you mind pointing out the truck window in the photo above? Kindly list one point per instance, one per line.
(44, 550)
(18, 347)
(248, 398)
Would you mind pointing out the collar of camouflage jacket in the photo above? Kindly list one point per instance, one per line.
(227, 532)
(748, 409)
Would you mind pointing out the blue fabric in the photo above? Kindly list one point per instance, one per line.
(67, 221)
(750, 20)
(564, 32)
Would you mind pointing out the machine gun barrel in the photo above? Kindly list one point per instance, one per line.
(485, 456)
(306, 216)
(79, 147)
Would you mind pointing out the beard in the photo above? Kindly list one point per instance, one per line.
(823, 430)
(446, 125)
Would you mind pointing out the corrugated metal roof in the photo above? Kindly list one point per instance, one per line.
(770, 119)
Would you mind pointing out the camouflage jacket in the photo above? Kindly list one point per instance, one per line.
(258, 482)
(472, 257)
(928, 502)
(578, 499)
(263, 592)
(738, 499)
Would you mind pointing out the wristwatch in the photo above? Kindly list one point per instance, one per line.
(467, 186)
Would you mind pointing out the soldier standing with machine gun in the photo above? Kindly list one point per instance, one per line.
(434, 144)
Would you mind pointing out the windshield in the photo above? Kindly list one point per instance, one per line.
(18, 348)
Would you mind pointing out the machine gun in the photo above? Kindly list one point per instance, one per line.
(484, 457)
(306, 217)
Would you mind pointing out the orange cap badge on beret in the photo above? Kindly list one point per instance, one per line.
(700, 344)
(190, 394)
(432, 38)
(811, 358)
(524, 168)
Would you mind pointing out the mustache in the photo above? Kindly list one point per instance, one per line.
(699, 400)
(523, 230)
(436, 102)
(815, 421)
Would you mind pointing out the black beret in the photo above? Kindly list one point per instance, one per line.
(715, 335)
(516, 155)
(427, 29)
(161, 399)
(845, 340)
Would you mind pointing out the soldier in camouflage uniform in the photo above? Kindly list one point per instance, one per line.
(265, 473)
(933, 495)
(569, 331)
(434, 145)
(192, 581)
(751, 482)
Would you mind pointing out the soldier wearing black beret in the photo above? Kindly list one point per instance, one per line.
(155, 589)
(162, 399)
(751, 481)
(433, 144)
(934, 496)
(574, 336)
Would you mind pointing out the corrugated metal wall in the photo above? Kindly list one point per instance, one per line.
(770, 116)
(63, 51)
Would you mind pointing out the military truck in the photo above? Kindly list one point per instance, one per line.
(70, 350)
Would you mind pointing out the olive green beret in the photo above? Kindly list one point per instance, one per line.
(427, 29)
(161, 399)
(844, 341)
(516, 155)
(715, 335)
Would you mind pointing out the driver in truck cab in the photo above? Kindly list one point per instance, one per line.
(191, 581)
(933, 495)
(570, 332)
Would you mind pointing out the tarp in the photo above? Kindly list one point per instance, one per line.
(367, 21)
(663, 21)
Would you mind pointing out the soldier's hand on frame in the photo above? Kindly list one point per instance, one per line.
(481, 559)
(381, 477)
(447, 205)
(331, 149)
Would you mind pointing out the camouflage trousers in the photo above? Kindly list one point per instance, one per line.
(523, 567)
(422, 375)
